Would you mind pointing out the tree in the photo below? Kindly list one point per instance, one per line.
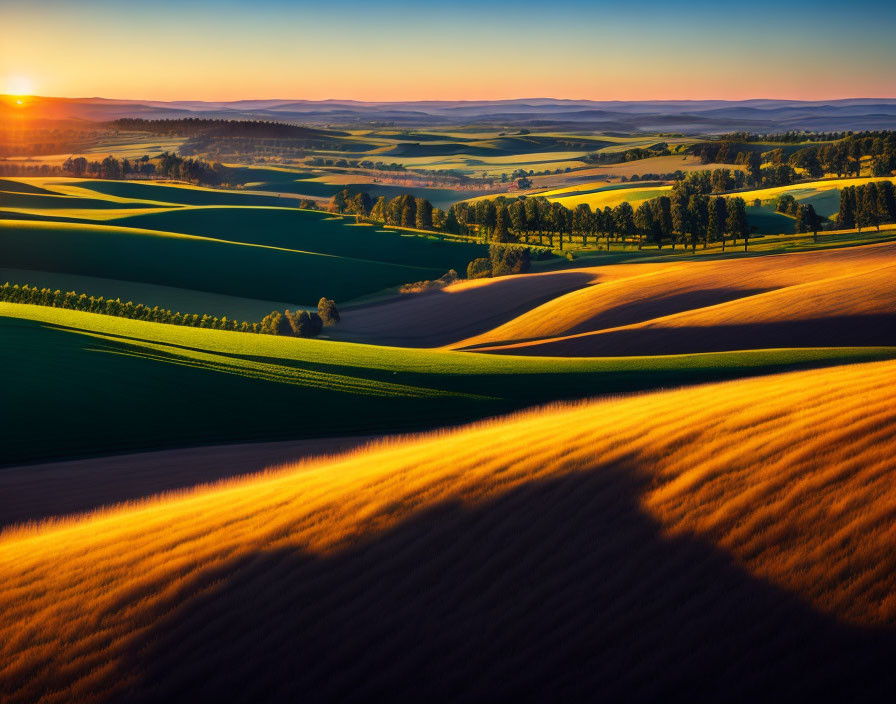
(506, 260)
(624, 217)
(886, 199)
(813, 222)
(378, 211)
(881, 166)
(337, 202)
(439, 217)
(736, 220)
(698, 215)
(328, 312)
(581, 220)
(285, 324)
(480, 268)
(408, 211)
(533, 220)
(680, 218)
(609, 223)
(662, 218)
(393, 211)
(452, 224)
(502, 218)
(644, 221)
(110, 168)
(359, 204)
(788, 205)
(870, 206)
(721, 180)
(423, 217)
(718, 214)
(846, 217)
(517, 212)
(270, 324)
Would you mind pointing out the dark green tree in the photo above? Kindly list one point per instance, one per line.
(717, 215)
(328, 312)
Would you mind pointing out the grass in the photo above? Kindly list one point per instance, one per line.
(183, 299)
(707, 305)
(220, 266)
(823, 194)
(244, 247)
(717, 542)
(308, 231)
(189, 386)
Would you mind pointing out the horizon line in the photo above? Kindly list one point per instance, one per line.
(452, 100)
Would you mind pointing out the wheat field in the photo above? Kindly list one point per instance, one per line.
(847, 285)
(724, 541)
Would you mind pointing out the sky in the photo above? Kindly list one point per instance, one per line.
(461, 50)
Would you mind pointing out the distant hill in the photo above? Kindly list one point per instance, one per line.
(689, 116)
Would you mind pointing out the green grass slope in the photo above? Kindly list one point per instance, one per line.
(191, 262)
(309, 231)
(89, 384)
(130, 231)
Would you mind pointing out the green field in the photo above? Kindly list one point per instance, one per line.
(200, 239)
(115, 385)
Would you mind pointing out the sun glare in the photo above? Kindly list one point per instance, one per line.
(18, 85)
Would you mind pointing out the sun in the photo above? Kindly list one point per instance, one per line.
(19, 85)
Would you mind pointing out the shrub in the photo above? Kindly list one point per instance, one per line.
(509, 260)
(445, 280)
(328, 312)
(480, 268)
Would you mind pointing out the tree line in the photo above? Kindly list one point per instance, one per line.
(401, 211)
(301, 324)
(790, 137)
(688, 215)
(633, 154)
(843, 156)
(14, 168)
(867, 205)
(189, 126)
(167, 166)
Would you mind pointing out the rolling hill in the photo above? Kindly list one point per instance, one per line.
(619, 549)
(182, 386)
(849, 292)
(689, 116)
(213, 241)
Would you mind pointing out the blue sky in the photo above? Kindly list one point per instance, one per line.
(402, 50)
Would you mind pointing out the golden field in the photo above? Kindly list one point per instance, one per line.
(715, 542)
(839, 297)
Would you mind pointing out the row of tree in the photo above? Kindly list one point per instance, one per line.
(867, 205)
(190, 126)
(688, 215)
(355, 164)
(303, 324)
(840, 157)
(633, 154)
(401, 211)
(167, 165)
(15, 168)
(791, 137)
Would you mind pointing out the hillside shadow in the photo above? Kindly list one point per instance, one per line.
(643, 310)
(835, 331)
(49, 490)
(437, 318)
(557, 591)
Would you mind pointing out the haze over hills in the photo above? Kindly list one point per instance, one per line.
(687, 116)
